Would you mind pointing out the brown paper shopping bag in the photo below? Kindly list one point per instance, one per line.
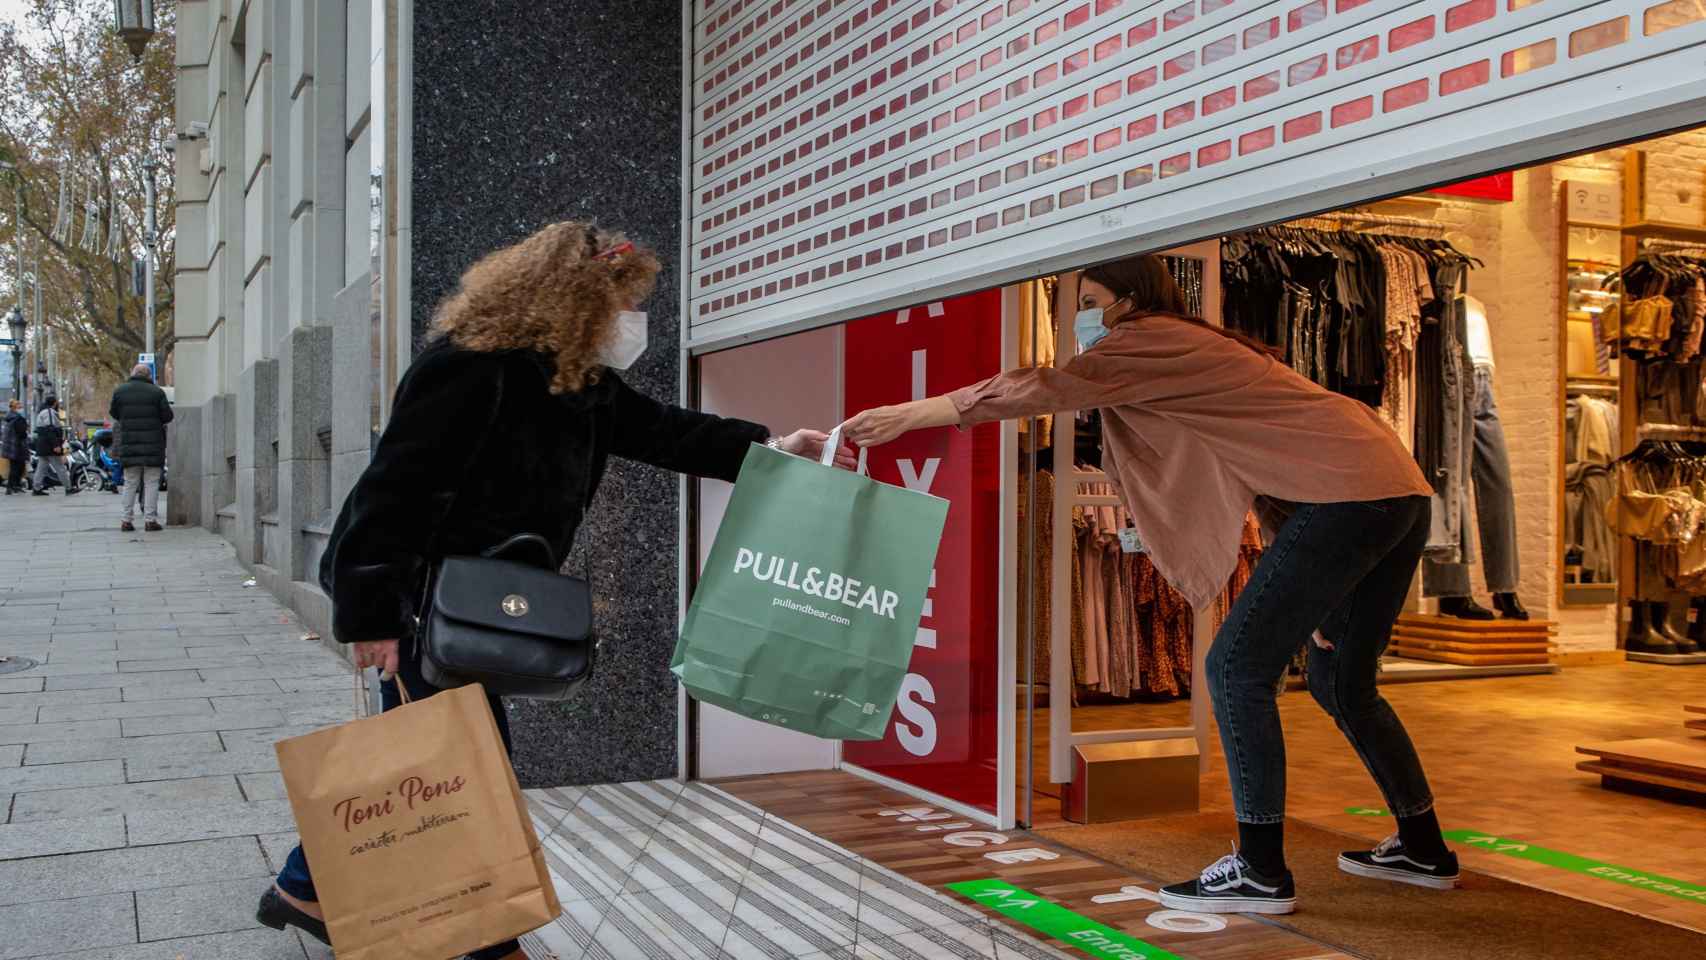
(416, 832)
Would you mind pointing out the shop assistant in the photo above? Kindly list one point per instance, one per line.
(1200, 426)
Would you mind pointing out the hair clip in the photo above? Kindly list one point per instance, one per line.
(614, 252)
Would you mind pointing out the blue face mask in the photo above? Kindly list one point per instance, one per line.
(1089, 327)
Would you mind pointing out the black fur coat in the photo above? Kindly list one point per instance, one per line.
(477, 450)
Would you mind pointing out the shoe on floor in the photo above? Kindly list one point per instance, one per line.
(152, 527)
(38, 493)
(1464, 608)
(1389, 861)
(127, 527)
(1509, 607)
(275, 912)
(1231, 885)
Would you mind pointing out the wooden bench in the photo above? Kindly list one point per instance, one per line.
(1675, 765)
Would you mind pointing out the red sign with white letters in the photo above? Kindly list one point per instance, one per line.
(944, 733)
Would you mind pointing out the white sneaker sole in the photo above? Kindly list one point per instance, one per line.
(1372, 872)
(1173, 901)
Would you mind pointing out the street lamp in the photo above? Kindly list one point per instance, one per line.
(135, 22)
(150, 239)
(20, 327)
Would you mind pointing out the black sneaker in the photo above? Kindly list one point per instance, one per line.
(1232, 886)
(1388, 861)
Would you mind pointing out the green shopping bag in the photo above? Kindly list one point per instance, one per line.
(807, 611)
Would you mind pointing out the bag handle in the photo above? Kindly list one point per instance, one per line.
(829, 447)
(361, 692)
(532, 540)
(833, 444)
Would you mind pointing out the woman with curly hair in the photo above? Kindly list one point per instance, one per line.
(503, 425)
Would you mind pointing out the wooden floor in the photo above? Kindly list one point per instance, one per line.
(850, 813)
(1501, 756)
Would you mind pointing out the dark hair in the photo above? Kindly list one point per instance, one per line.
(1146, 284)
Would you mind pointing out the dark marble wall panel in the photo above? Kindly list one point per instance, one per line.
(527, 113)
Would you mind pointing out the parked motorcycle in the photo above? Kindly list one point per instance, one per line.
(106, 465)
(83, 475)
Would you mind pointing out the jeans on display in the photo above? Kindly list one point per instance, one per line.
(1448, 536)
(296, 880)
(1343, 569)
(1495, 507)
(142, 483)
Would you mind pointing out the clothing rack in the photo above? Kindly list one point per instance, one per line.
(1591, 386)
(1377, 219)
(1670, 431)
(1661, 244)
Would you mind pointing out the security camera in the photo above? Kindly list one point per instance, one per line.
(197, 131)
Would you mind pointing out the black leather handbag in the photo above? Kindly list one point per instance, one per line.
(522, 630)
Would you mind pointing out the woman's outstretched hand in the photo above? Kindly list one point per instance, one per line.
(809, 443)
(880, 425)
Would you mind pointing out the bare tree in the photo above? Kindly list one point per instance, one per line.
(76, 109)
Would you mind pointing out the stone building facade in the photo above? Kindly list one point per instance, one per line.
(333, 128)
(275, 278)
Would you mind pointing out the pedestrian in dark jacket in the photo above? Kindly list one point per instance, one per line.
(525, 362)
(140, 411)
(15, 446)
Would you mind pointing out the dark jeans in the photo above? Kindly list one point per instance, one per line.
(15, 476)
(295, 878)
(1343, 569)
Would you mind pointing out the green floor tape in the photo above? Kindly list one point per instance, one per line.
(1053, 920)
(1368, 811)
(1692, 892)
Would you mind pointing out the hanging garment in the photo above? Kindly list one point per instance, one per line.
(1587, 496)
(1653, 508)
(1041, 621)
(1495, 507)
(1122, 631)
(1448, 539)
(1403, 324)
(1079, 664)
(1089, 560)
(1595, 426)
(1642, 325)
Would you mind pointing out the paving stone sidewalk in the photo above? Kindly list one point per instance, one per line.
(141, 808)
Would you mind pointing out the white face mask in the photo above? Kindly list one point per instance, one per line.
(628, 342)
